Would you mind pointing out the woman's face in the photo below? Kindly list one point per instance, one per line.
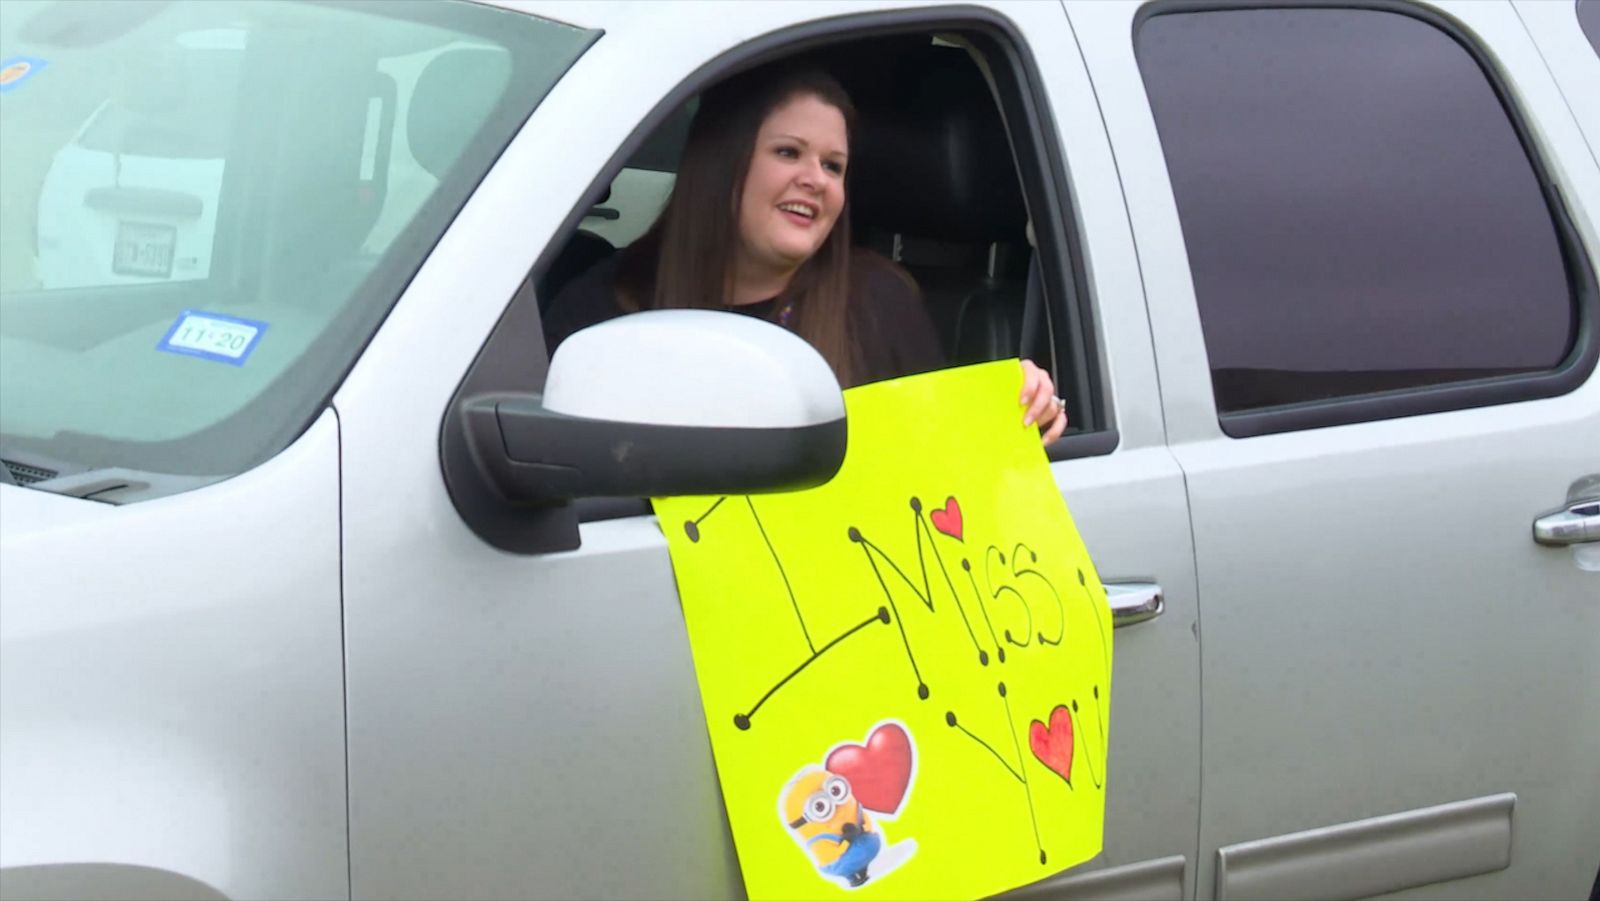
(795, 187)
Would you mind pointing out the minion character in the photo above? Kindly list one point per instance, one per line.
(828, 820)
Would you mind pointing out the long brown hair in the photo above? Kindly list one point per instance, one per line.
(686, 258)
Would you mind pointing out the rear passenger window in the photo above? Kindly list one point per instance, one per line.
(1360, 214)
(1589, 20)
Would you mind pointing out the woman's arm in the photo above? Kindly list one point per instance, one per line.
(893, 331)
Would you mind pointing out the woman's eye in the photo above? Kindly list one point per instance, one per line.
(788, 152)
(835, 168)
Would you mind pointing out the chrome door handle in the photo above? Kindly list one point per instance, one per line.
(1574, 524)
(1134, 601)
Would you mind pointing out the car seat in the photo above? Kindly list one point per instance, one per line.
(935, 187)
(319, 204)
(452, 98)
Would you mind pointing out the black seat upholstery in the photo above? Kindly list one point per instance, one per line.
(933, 168)
(582, 251)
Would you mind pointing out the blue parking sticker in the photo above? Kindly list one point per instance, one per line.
(17, 70)
(213, 336)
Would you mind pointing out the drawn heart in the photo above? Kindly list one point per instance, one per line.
(879, 772)
(948, 520)
(1052, 744)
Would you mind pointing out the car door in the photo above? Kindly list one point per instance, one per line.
(1373, 322)
(528, 725)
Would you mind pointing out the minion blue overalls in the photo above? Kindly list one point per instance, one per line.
(861, 848)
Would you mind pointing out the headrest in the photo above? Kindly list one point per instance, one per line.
(452, 98)
(933, 159)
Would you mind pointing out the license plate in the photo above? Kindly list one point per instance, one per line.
(144, 249)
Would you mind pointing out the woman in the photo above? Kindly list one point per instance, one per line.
(758, 223)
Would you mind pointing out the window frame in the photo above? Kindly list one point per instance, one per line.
(1567, 376)
(503, 363)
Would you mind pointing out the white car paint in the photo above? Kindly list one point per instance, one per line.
(1375, 616)
(172, 681)
(240, 648)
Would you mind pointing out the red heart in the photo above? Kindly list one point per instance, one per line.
(880, 772)
(1053, 744)
(948, 520)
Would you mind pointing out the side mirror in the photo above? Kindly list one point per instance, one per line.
(657, 403)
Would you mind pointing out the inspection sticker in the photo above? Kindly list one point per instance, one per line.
(227, 339)
(18, 69)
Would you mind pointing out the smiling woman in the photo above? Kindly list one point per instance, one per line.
(759, 224)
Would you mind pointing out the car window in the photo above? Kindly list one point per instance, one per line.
(174, 106)
(1589, 21)
(934, 188)
(1359, 211)
(193, 252)
(640, 191)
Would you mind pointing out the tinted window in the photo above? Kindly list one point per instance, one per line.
(1359, 212)
(1589, 19)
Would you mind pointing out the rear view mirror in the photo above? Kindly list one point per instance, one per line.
(658, 403)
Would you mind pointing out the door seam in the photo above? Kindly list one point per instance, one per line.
(344, 661)
(1183, 474)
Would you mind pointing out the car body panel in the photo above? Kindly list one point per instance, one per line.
(314, 679)
(1373, 602)
(461, 673)
(171, 683)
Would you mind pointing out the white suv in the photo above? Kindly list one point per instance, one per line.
(288, 608)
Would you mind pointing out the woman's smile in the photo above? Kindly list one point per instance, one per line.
(800, 212)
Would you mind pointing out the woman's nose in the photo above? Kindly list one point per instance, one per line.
(811, 174)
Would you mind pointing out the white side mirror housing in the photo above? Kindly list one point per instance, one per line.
(696, 368)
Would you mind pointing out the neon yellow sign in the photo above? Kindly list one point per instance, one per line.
(905, 672)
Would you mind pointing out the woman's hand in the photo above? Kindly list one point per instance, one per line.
(1044, 407)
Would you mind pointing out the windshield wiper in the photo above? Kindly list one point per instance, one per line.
(118, 485)
(108, 484)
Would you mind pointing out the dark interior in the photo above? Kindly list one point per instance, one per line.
(932, 184)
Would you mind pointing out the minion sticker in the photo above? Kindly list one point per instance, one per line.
(825, 808)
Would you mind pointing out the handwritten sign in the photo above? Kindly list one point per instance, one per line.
(905, 672)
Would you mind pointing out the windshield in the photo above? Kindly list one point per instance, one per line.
(208, 207)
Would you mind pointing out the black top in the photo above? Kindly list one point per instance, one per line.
(890, 326)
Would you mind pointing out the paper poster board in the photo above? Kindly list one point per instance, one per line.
(905, 672)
